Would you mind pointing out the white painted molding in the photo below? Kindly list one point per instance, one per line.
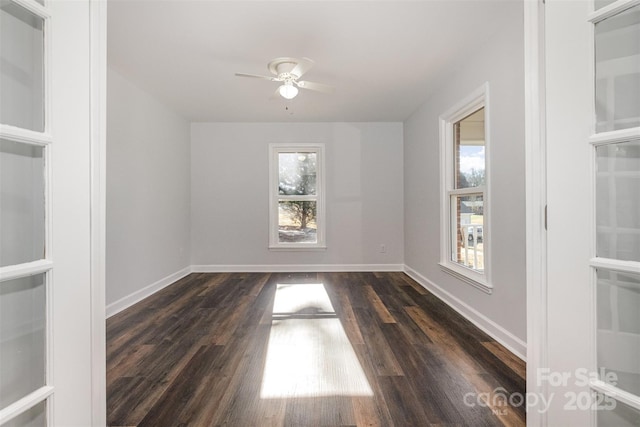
(137, 296)
(289, 268)
(479, 98)
(29, 401)
(491, 328)
(504, 337)
(275, 148)
(536, 199)
(98, 148)
(27, 269)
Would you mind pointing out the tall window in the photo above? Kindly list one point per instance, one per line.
(296, 196)
(464, 144)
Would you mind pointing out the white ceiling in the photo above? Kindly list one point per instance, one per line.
(383, 57)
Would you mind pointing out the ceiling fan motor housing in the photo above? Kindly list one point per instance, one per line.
(282, 68)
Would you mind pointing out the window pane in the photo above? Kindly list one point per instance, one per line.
(469, 150)
(618, 201)
(617, 46)
(21, 203)
(297, 222)
(297, 173)
(22, 337)
(34, 417)
(618, 313)
(621, 415)
(468, 243)
(21, 67)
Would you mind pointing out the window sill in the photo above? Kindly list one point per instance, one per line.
(296, 248)
(467, 276)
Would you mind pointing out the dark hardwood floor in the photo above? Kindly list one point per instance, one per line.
(305, 349)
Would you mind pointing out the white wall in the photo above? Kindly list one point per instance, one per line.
(500, 63)
(229, 197)
(148, 191)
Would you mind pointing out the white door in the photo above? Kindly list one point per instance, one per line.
(46, 324)
(593, 194)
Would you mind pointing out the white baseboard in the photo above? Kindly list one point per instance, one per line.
(491, 328)
(504, 337)
(290, 268)
(137, 296)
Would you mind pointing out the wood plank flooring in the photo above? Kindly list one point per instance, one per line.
(210, 350)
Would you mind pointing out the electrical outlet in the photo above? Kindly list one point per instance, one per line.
(383, 248)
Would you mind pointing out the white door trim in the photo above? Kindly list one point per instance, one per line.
(98, 25)
(535, 169)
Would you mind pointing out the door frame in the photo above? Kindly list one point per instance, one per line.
(98, 143)
(536, 200)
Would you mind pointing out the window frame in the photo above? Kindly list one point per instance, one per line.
(478, 99)
(274, 197)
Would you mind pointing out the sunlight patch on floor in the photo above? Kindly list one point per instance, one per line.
(309, 354)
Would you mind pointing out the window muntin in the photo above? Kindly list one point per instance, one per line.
(296, 196)
(464, 213)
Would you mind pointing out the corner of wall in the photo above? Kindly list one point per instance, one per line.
(491, 328)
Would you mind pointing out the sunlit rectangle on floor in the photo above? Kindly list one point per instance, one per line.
(309, 354)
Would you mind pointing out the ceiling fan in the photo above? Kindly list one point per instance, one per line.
(288, 72)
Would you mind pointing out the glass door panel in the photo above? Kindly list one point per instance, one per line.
(21, 67)
(34, 417)
(617, 204)
(618, 338)
(619, 416)
(22, 337)
(22, 203)
(599, 4)
(618, 201)
(617, 71)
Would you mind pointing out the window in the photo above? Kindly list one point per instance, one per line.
(296, 196)
(464, 146)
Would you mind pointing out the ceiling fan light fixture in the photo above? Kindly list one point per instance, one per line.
(288, 90)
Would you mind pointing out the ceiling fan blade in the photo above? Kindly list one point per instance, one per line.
(276, 95)
(302, 67)
(273, 79)
(319, 87)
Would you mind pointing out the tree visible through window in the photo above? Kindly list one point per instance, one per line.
(297, 178)
(469, 146)
(296, 171)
